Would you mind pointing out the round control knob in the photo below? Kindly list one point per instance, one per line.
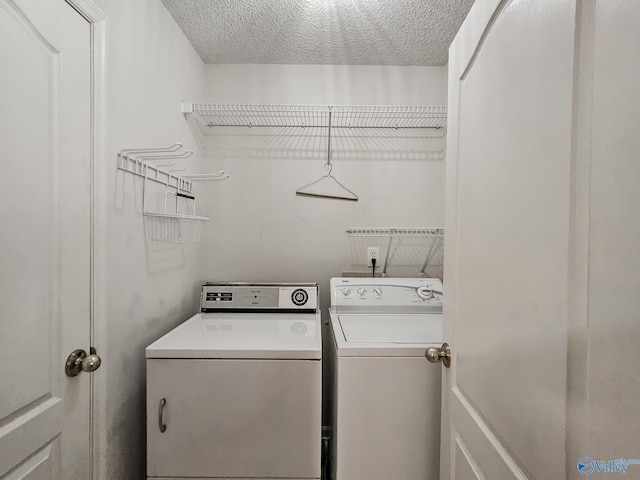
(425, 292)
(299, 297)
(362, 292)
(377, 291)
(346, 292)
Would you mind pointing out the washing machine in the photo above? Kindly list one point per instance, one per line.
(236, 390)
(386, 395)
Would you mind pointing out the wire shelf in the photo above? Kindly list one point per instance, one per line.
(170, 225)
(174, 228)
(343, 116)
(422, 248)
(389, 116)
(397, 232)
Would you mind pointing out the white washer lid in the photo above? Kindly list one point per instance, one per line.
(396, 329)
(242, 336)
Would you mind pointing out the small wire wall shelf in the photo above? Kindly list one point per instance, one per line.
(343, 116)
(180, 220)
(173, 226)
(422, 248)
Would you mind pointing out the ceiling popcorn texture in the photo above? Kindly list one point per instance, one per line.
(337, 32)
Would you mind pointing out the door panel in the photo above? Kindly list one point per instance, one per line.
(508, 222)
(482, 451)
(45, 212)
(464, 466)
(29, 433)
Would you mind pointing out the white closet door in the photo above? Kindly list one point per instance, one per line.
(508, 224)
(45, 278)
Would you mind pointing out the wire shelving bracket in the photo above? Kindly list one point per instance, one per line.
(422, 248)
(170, 225)
(137, 161)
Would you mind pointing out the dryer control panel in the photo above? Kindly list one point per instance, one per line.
(259, 297)
(386, 295)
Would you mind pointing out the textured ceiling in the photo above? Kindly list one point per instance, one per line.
(338, 32)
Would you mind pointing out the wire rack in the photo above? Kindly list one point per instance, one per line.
(389, 116)
(343, 116)
(422, 248)
(180, 220)
(164, 227)
(172, 224)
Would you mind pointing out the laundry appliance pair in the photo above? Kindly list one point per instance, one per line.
(236, 390)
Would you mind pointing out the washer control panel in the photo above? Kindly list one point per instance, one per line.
(262, 297)
(350, 294)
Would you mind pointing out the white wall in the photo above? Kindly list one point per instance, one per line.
(326, 84)
(152, 286)
(260, 230)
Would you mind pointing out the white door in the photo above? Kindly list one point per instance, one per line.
(508, 226)
(45, 231)
(543, 266)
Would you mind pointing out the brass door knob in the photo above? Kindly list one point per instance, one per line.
(434, 355)
(78, 361)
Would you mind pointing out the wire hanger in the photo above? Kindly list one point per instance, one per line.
(327, 186)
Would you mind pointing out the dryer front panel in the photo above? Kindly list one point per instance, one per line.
(231, 418)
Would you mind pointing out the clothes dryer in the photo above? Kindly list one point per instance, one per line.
(236, 390)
